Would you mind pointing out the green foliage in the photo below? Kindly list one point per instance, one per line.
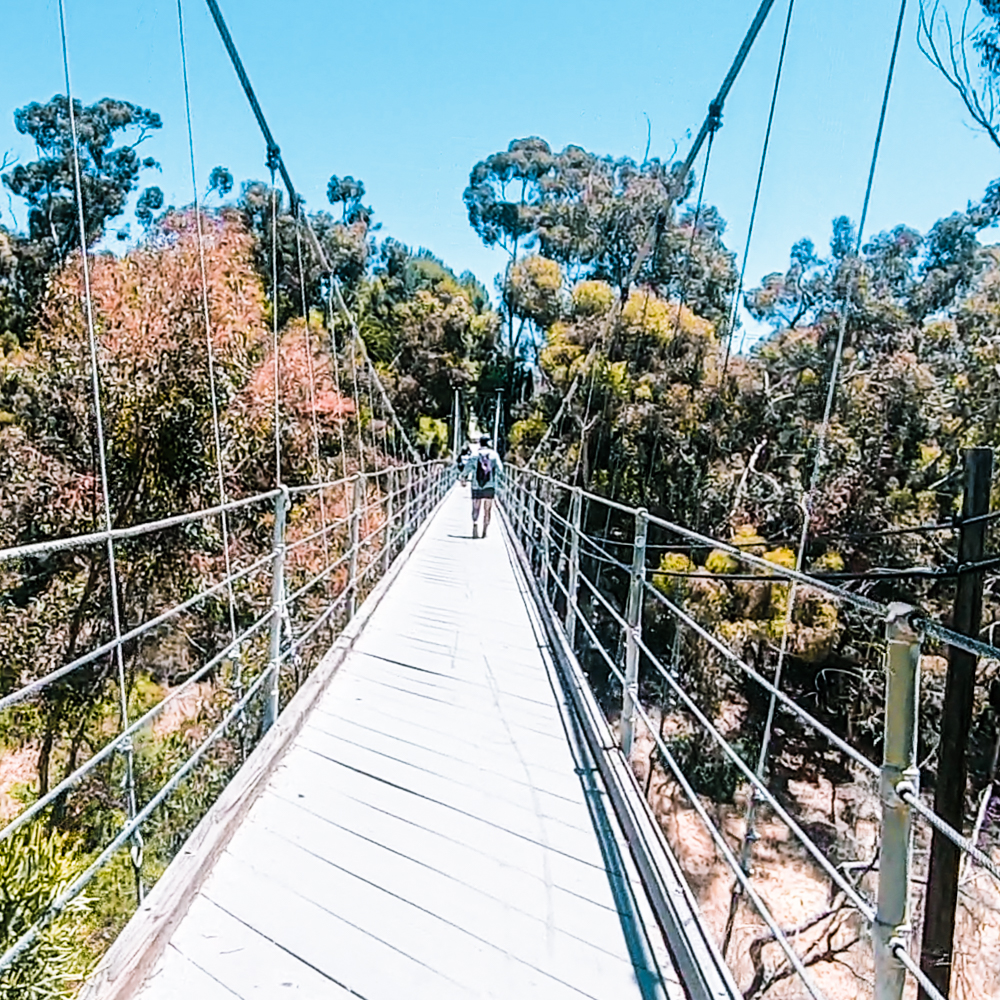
(709, 771)
(109, 172)
(36, 866)
(432, 436)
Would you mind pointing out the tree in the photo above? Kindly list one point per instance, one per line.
(109, 173)
(348, 192)
(949, 47)
(429, 330)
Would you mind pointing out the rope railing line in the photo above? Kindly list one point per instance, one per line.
(318, 533)
(938, 631)
(133, 531)
(837, 877)
(732, 862)
(932, 628)
(909, 795)
(319, 577)
(317, 623)
(728, 654)
(788, 703)
(109, 748)
(901, 952)
(111, 645)
(715, 543)
(80, 883)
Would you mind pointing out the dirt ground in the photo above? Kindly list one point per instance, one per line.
(830, 937)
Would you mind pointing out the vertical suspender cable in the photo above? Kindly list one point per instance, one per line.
(217, 433)
(828, 408)
(756, 194)
(274, 325)
(95, 381)
(682, 297)
(318, 472)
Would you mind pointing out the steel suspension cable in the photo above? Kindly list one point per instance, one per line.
(274, 327)
(682, 297)
(210, 349)
(311, 386)
(95, 384)
(824, 430)
(756, 194)
(340, 415)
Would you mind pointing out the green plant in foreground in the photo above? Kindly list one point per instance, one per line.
(35, 867)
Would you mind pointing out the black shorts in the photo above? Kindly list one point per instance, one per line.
(479, 493)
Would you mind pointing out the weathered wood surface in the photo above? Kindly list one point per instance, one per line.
(427, 834)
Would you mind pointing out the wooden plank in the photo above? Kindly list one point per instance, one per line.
(127, 962)
(431, 831)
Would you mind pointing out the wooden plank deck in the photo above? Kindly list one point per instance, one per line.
(428, 835)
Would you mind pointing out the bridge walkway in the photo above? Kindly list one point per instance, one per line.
(434, 830)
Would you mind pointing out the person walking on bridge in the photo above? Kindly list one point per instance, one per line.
(483, 467)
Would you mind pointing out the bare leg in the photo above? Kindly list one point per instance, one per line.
(475, 517)
(487, 511)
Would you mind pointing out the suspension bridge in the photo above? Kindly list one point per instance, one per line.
(423, 795)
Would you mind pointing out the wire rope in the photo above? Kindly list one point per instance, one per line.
(310, 369)
(95, 380)
(824, 430)
(209, 346)
(682, 295)
(731, 329)
(274, 327)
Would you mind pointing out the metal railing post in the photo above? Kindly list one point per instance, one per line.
(899, 766)
(271, 705)
(407, 507)
(354, 527)
(633, 616)
(573, 581)
(546, 553)
(387, 539)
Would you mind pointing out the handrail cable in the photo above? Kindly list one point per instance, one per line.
(109, 748)
(274, 331)
(713, 831)
(34, 549)
(734, 311)
(102, 457)
(32, 688)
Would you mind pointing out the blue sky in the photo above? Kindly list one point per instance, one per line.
(409, 96)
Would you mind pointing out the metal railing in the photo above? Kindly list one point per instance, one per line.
(384, 509)
(600, 601)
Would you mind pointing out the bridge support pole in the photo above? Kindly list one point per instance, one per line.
(354, 540)
(633, 631)
(389, 514)
(408, 504)
(899, 764)
(271, 704)
(546, 537)
(573, 578)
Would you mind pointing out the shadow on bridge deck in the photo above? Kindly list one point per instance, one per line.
(430, 832)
